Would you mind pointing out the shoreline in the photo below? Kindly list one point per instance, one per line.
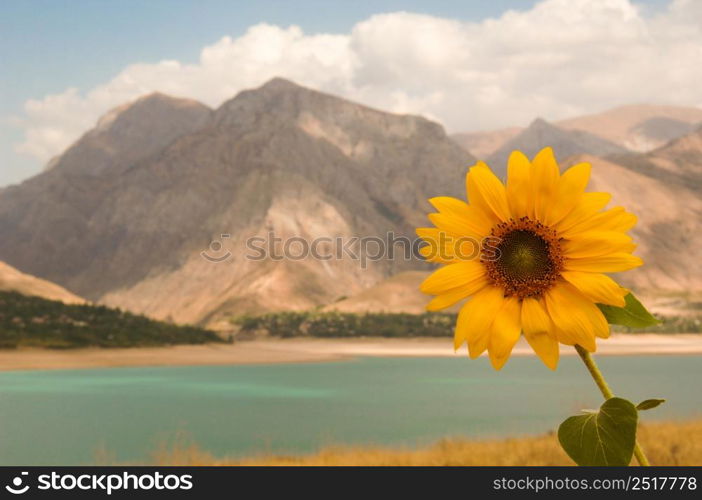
(310, 350)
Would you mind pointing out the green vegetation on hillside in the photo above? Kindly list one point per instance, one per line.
(335, 324)
(37, 322)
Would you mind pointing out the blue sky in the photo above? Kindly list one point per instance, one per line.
(50, 46)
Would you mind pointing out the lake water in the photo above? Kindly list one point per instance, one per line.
(64, 417)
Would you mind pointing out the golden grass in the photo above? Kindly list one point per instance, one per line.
(666, 443)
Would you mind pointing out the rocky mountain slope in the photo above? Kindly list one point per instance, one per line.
(280, 158)
(12, 280)
(397, 294)
(128, 214)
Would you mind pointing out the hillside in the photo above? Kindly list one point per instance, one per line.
(12, 280)
(639, 127)
(483, 144)
(279, 158)
(636, 127)
(125, 215)
(541, 134)
(35, 322)
(397, 294)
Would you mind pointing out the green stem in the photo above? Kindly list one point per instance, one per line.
(607, 393)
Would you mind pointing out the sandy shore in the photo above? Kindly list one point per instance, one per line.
(309, 350)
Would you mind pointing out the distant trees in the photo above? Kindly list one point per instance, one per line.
(335, 324)
(34, 321)
(340, 325)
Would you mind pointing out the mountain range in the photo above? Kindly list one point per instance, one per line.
(125, 222)
(635, 128)
(128, 214)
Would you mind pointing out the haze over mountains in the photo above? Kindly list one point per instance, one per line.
(123, 216)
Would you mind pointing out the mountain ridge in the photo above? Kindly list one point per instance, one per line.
(128, 226)
(13, 280)
(280, 157)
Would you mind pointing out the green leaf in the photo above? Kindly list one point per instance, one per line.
(633, 314)
(649, 404)
(605, 437)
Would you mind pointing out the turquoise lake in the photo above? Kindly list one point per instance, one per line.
(64, 417)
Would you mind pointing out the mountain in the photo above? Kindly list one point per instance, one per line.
(59, 226)
(281, 158)
(483, 144)
(132, 132)
(636, 127)
(155, 209)
(12, 280)
(397, 294)
(680, 160)
(541, 134)
(640, 127)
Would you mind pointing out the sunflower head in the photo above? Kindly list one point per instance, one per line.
(543, 246)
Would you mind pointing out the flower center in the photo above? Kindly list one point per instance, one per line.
(523, 257)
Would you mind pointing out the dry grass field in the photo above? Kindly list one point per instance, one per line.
(666, 443)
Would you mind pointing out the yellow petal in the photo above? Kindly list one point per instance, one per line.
(439, 247)
(595, 243)
(449, 298)
(446, 248)
(449, 204)
(534, 316)
(597, 287)
(505, 332)
(545, 347)
(576, 315)
(456, 226)
(475, 319)
(468, 275)
(519, 190)
(565, 337)
(614, 219)
(588, 205)
(609, 263)
(571, 187)
(459, 217)
(545, 180)
(486, 191)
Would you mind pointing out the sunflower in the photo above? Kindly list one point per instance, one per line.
(530, 256)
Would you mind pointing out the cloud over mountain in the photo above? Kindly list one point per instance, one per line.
(561, 58)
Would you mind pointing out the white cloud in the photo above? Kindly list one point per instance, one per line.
(561, 58)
